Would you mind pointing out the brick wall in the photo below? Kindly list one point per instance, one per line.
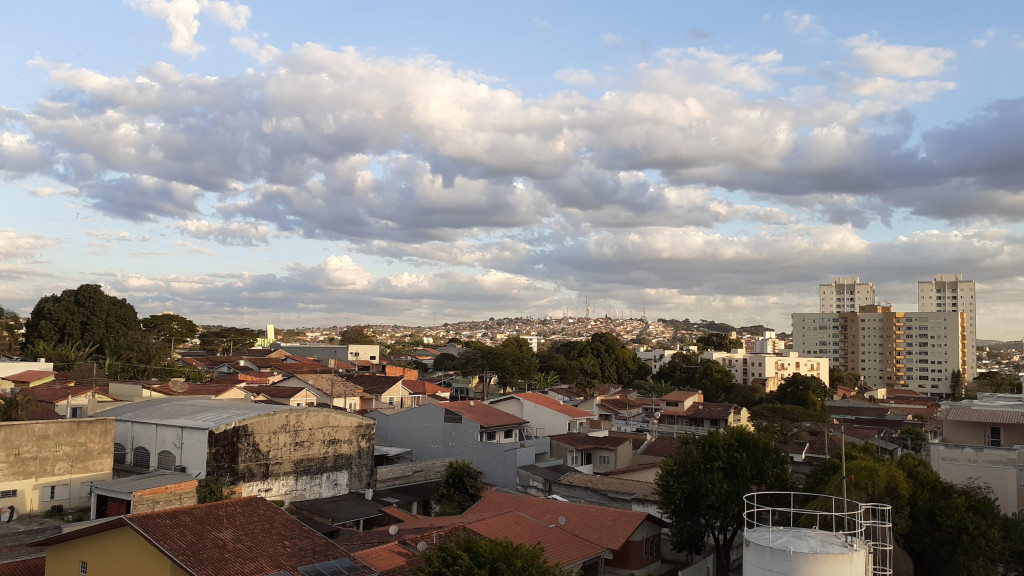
(165, 497)
(411, 473)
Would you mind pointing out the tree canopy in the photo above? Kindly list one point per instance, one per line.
(467, 554)
(702, 484)
(602, 359)
(688, 371)
(995, 382)
(84, 316)
(169, 327)
(10, 331)
(356, 335)
(459, 488)
(718, 341)
(222, 340)
(808, 392)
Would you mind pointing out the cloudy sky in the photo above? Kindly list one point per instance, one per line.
(314, 163)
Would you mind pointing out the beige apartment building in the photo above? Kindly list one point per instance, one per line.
(951, 293)
(845, 294)
(888, 349)
(769, 369)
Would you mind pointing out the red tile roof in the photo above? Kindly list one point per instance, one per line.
(29, 376)
(391, 558)
(193, 389)
(333, 385)
(422, 387)
(24, 567)
(587, 442)
(374, 384)
(661, 447)
(680, 396)
(280, 392)
(713, 410)
(302, 368)
(52, 392)
(242, 537)
(560, 545)
(483, 414)
(552, 404)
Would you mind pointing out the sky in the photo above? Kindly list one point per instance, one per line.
(332, 163)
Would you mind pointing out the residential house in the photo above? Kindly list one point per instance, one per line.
(615, 412)
(150, 492)
(769, 369)
(273, 450)
(376, 385)
(334, 390)
(537, 479)
(46, 463)
(329, 353)
(26, 379)
(408, 393)
(133, 391)
(611, 491)
(12, 365)
(351, 511)
(546, 416)
(700, 418)
(292, 396)
(596, 452)
(242, 537)
(494, 441)
(67, 399)
(982, 441)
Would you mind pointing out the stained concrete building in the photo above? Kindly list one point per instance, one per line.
(951, 293)
(845, 294)
(45, 463)
(271, 450)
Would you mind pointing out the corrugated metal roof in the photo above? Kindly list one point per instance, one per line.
(974, 414)
(154, 479)
(190, 412)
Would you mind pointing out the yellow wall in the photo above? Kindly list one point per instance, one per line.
(113, 553)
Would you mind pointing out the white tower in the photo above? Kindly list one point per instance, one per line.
(951, 293)
(845, 294)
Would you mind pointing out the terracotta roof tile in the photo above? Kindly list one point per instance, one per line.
(24, 567)
(29, 376)
(641, 490)
(661, 447)
(560, 545)
(552, 404)
(194, 388)
(587, 442)
(422, 387)
(332, 385)
(485, 415)
(375, 384)
(51, 392)
(302, 368)
(680, 395)
(717, 410)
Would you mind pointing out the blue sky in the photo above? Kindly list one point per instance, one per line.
(332, 163)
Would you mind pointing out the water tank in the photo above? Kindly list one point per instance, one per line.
(800, 534)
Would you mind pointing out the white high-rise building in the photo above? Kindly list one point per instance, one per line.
(951, 293)
(845, 294)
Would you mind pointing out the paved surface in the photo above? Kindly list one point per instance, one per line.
(24, 529)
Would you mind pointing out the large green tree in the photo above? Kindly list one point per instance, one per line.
(459, 488)
(840, 377)
(467, 554)
(356, 335)
(688, 371)
(514, 362)
(992, 382)
(226, 340)
(718, 341)
(702, 484)
(602, 359)
(83, 316)
(170, 328)
(808, 392)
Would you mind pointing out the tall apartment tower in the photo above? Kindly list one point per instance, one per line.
(845, 294)
(951, 293)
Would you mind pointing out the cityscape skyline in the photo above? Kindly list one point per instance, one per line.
(320, 165)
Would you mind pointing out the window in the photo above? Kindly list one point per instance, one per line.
(8, 493)
(120, 454)
(83, 567)
(492, 436)
(604, 460)
(55, 492)
(509, 434)
(995, 437)
(652, 545)
(140, 457)
(165, 460)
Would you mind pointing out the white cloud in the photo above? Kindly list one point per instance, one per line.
(22, 245)
(576, 76)
(805, 24)
(182, 18)
(229, 233)
(610, 38)
(899, 60)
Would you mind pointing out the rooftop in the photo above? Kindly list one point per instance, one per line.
(155, 479)
(483, 414)
(190, 412)
(581, 441)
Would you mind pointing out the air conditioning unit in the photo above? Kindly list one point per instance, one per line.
(179, 469)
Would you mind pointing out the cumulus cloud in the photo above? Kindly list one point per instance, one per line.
(577, 76)
(805, 24)
(228, 233)
(22, 245)
(610, 38)
(899, 60)
(182, 18)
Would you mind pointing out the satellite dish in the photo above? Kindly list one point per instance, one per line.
(393, 530)
(421, 546)
(561, 520)
(471, 403)
(657, 414)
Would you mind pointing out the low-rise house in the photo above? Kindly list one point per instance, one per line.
(292, 396)
(638, 495)
(150, 492)
(546, 416)
(26, 379)
(272, 450)
(67, 399)
(495, 442)
(593, 453)
(333, 390)
(408, 393)
(701, 418)
(46, 463)
(241, 537)
(982, 441)
(536, 479)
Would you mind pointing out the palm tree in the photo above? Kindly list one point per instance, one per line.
(10, 331)
(544, 380)
(15, 407)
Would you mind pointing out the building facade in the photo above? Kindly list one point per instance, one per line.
(845, 294)
(951, 293)
(772, 369)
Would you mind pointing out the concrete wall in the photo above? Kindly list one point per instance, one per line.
(187, 444)
(37, 454)
(411, 473)
(424, 430)
(301, 453)
(996, 467)
(117, 552)
(976, 433)
(165, 497)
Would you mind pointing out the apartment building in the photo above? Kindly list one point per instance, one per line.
(888, 349)
(769, 369)
(845, 294)
(951, 293)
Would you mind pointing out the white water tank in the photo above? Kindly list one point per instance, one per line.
(802, 552)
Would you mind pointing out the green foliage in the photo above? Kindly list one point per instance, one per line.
(914, 438)
(10, 331)
(746, 395)
(840, 377)
(460, 488)
(956, 385)
(85, 315)
(356, 335)
(688, 371)
(993, 382)
(603, 359)
(807, 392)
(15, 407)
(169, 328)
(213, 489)
(467, 554)
(544, 380)
(780, 422)
(718, 341)
(701, 487)
(62, 354)
(225, 340)
(513, 361)
(446, 361)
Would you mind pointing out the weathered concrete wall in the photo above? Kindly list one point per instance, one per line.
(165, 497)
(37, 454)
(293, 454)
(411, 473)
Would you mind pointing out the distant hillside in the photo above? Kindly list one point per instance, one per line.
(685, 325)
(1001, 345)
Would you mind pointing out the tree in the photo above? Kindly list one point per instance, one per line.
(213, 489)
(15, 407)
(467, 554)
(84, 315)
(603, 359)
(356, 335)
(688, 371)
(10, 331)
(718, 341)
(780, 422)
(514, 361)
(702, 484)
(914, 438)
(808, 392)
(992, 382)
(446, 361)
(840, 377)
(956, 385)
(544, 380)
(460, 488)
(222, 339)
(170, 328)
